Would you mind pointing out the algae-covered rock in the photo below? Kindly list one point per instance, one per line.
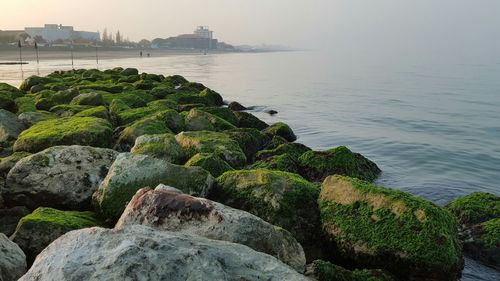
(25, 104)
(13, 260)
(280, 129)
(170, 211)
(30, 118)
(47, 99)
(479, 215)
(37, 230)
(98, 111)
(65, 131)
(60, 177)
(162, 146)
(8, 162)
(210, 162)
(198, 120)
(7, 100)
(224, 113)
(68, 110)
(149, 125)
(130, 172)
(325, 271)
(283, 162)
(317, 165)
(248, 120)
(475, 208)
(35, 80)
(129, 71)
(10, 127)
(375, 227)
(236, 106)
(293, 149)
(212, 142)
(142, 253)
(280, 198)
(93, 99)
(250, 140)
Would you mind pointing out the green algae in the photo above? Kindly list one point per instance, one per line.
(475, 208)
(211, 162)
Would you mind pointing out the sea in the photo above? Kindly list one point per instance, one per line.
(432, 124)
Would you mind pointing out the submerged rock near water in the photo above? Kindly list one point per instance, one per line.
(142, 253)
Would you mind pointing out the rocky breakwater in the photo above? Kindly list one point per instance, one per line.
(237, 199)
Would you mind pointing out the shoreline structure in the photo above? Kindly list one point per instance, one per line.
(164, 174)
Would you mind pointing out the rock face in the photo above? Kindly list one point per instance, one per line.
(12, 260)
(317, 165)
(376, 227)
(141, 253)
(280, 198)
(10, 217)
(37, 230)
(65, 131)
(479, 216)
(10, 126)
(130, 172)
(60, 177)
(171, 211)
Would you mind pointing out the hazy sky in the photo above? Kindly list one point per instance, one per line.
(400, 24)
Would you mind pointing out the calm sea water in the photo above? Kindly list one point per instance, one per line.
(431, 124)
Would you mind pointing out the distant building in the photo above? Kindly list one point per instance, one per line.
(11, 36)
(53, 32)
(202, 39)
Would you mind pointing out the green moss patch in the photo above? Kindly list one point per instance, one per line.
(325, 271)
(280, 129)
(162, 146)
(491, 236)
(210, 162)
(198, 120)
(475, 208)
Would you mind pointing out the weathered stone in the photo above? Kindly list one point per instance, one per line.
(198, 120)
(163, 147)
(236, 106)
(211, 162)
(250, 140)
(37, 230)
(142, 253)
(10, 217)
(9, 162)
(10, 127)
(32, 117)
(171, 211)
(130, 172)
(94, 99)
(12, 260)
(375, 227)
(60, 177)
(280, 129)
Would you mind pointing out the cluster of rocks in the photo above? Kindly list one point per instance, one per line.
(119, 175)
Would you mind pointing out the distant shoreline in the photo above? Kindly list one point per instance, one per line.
(10, 54)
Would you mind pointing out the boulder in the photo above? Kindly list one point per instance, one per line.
(375, 227)
(10, 161)
(60, 177)
(47, 99)
(317, 165)
(479, 216)
(280, 198)
(283, 162)
(10, 127)
(98, 111)
(12, 261)
(65, 131)
(170, 211)
(326, 271)
(224, 113)
(142, 253)
(198, 120)
(250, 140)
(163, 147)
(25, 104)
(150, 125)
(94, 99)
(37, 230)
(210, 162)
(280, 129)
(32, 117)
(129, 71)
(212, 142)
(248, 120)
(9, 217)
(130, 172)
(236, 106)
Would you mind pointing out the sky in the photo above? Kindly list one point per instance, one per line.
(402, 25)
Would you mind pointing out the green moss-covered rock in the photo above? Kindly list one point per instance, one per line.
(128, 116)
(162, 91)
(65, 131)
(32, 117)
(37, 230)
(10, 127)
(131, 172)
(150, 125)
(131, 99)
(93, 99)
(98, 111)
(325, 271)
(47, 99)
(68, 110)
(189, 106)
(250, 140)
(7, 101)
(117, 105)
(163, 147)
(4, 87)
(293, 149)
(164, 104)
(25, 104)
(224, 113)
(283, 162)
(212, 142)
(8, 162)
(375, 227)
(280, 129)
(475, 208)
(129, 71)
(145, 84)
(317, 165)
(210, 162)
(281, 198)
(248, 120)
(35, 80)
(198, 120)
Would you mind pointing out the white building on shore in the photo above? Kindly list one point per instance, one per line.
(53, 32)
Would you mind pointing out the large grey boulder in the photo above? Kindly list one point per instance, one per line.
(131, 172)
(170, 210)
(10, 127)
(142, 253)
(32, 117)
(60, 176)
(12, 260)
